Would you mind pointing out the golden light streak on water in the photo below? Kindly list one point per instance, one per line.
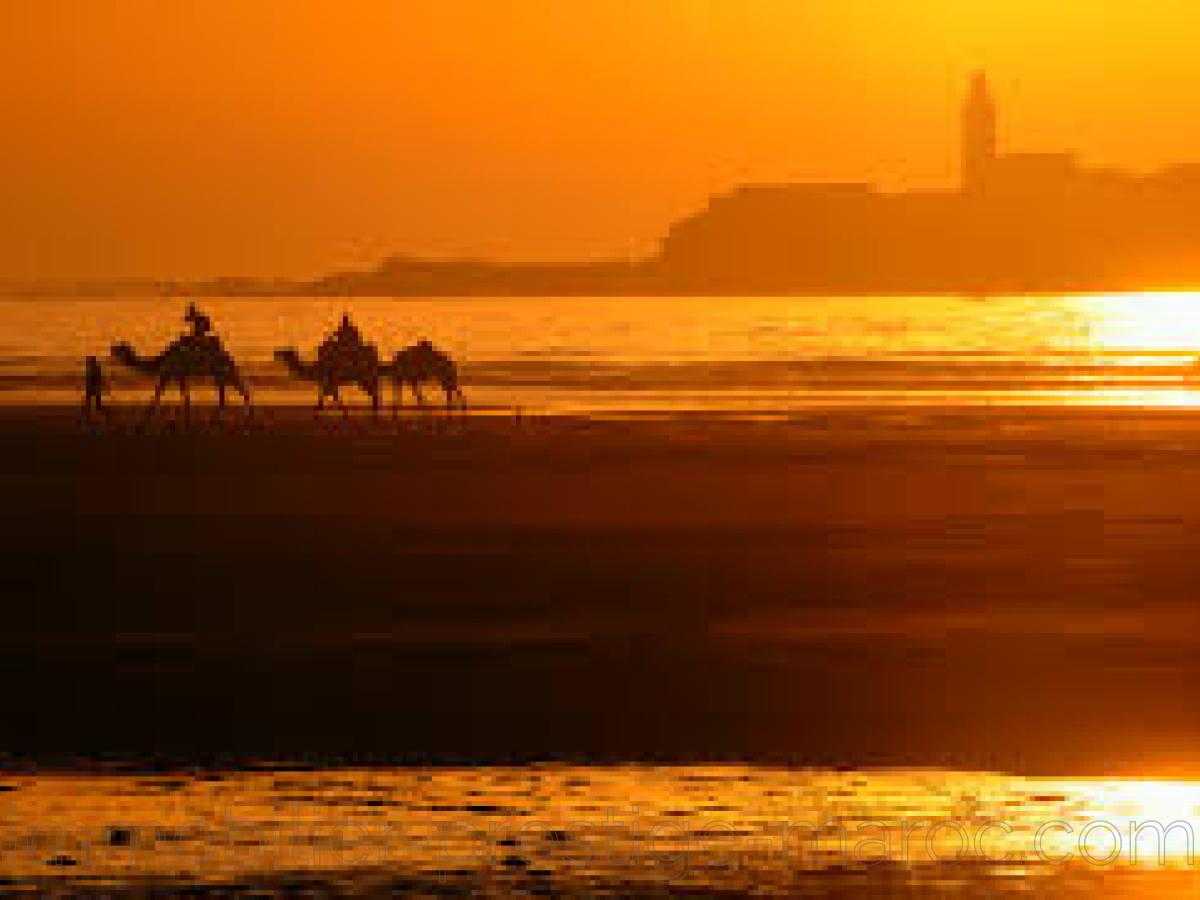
(716, 826)
(689, 354)
(1147, 321)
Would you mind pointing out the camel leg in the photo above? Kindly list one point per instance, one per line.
(220, 397)
(397, 397)
(416, 389)
(372, 392)
(186, 394)
(242, 389)
(322, 396)
(158, 392)
(453, 392)
(156, 399)
(235, 381)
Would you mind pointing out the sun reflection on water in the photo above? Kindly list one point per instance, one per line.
(661, 355)
(1147, 321)
(714, 827)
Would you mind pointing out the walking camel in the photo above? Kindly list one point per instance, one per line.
(340, 365)
(186, 358)
(420, 363)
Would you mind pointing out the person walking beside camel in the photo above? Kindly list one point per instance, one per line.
(93, 386)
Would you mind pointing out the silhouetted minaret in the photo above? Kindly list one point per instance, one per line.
(978, 134)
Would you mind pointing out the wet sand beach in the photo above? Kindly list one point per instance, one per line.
(979, 588)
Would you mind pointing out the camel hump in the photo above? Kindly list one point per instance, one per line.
(207, 344)
(334, 347)
(348, 361)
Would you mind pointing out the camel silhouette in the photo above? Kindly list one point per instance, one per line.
(420, 363)
(186, 358)
(337, 366)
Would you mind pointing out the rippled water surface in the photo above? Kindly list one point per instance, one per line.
(589, 828)
(614, 355)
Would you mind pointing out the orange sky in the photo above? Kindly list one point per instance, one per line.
(194, 138)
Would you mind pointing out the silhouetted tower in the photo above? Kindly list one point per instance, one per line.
(978, 135)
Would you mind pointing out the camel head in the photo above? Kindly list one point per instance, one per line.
(124, 353)
(291, 358)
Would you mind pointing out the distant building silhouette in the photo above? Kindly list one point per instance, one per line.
(978, 135)
(1017, 222)
(984, 171)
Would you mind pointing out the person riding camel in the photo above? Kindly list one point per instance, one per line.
(345, 341)
(201, 324)
(347, 333)
(201, 327)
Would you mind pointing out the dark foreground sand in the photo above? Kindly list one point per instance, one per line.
(999, 589)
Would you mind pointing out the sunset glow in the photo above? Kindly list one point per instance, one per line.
(600, 447)
(173, 140)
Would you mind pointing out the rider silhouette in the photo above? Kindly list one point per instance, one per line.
(347, 334)
(201, 336)
(201, 324)
(344, 343)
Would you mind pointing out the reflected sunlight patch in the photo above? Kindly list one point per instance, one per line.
(1146, 321)
(708, 827)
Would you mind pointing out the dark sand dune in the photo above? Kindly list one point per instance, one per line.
(996, 589)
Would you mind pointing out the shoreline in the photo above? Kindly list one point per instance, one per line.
(682, 292)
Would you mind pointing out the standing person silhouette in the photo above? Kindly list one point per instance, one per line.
(93, 386)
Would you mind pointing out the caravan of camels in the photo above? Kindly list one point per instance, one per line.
(342, 359)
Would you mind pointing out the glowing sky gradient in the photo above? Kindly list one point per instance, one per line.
(191, 139)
